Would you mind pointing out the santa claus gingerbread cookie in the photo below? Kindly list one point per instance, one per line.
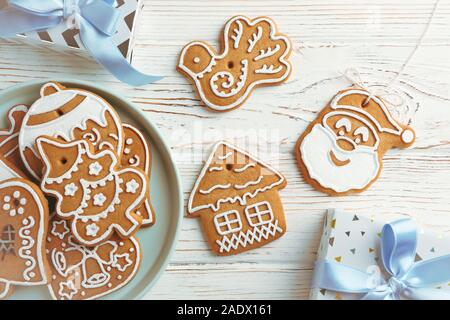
(92, 190)
(341, 152)
(69, 114)
(237, 199)
(137, 154)
(23, 228)
(82, 273)
(9, 138)
(252, 54)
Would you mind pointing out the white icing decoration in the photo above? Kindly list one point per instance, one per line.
(259, 210)
(231, 84)
(224, 222)
(67, 289)
(254, 39)
(91, 108)
(95, 168)
(247, 166)
(357, 174)
(268, 69)
(407, 136)
(267, 53)
(9, 205)
(126, 259)
(364, 132)
(99, 199)
(28, 243)
(132, 186)
(241, 199)
(217, 186)
(249, 183)
(212, 169)
(70, 189)
(92, 229)
(58, 225)
(198, 76)
(237, 34)
(257, 234)
(344, 122)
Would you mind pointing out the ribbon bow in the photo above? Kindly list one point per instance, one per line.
(407, 279)
(97, 21)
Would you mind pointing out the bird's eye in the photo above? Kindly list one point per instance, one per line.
(196, 60)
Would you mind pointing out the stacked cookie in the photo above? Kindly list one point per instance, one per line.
(73, 192)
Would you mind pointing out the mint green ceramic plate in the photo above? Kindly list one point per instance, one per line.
(158, 242)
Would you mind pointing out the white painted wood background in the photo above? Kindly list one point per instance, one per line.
(376, 36)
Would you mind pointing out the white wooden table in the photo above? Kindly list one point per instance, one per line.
(331, 35)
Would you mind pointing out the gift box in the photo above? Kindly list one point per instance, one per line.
(66, 40)
(354, 239)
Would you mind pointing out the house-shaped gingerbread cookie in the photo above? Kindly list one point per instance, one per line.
(236, 196)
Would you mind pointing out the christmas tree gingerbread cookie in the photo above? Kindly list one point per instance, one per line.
(69, 114)
(9, 138)
(252, 54)
(92, 190)
(341, 152)
(84, 273)
(237, 199)
(137, 154)
(23, 228)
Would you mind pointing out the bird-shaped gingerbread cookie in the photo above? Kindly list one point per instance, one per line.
(252, 54)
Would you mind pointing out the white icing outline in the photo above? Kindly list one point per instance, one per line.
(357, 117)
(217, 186)
(38, 261)
(244, 238)
(242, 200)
(317, 177)
(136, 246)
(334, 105)
(84, 147)
(227, 222)
(258, 213)
(196, 77)
(247, 166)
(82, 124)
(146, 169)
(249, 183)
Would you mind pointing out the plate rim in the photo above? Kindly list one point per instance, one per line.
(166, 153)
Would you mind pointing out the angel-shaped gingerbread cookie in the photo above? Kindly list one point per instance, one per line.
(252, 54)
(92, 189)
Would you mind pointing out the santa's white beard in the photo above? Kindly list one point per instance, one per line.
(357, 174)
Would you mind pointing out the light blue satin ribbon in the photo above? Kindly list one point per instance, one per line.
(408, 280)
(97, 21)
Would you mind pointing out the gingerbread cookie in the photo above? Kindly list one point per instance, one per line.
(341, 151)
(83, 273)
(137, 153)
(237, 199)
(9, 138)
(23, 228)
(252, 54)
(69, 114)
(91, 189)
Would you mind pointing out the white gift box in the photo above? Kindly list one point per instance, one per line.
(353, 239)
(65, 40)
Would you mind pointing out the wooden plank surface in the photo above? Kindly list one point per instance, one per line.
(329, 36)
